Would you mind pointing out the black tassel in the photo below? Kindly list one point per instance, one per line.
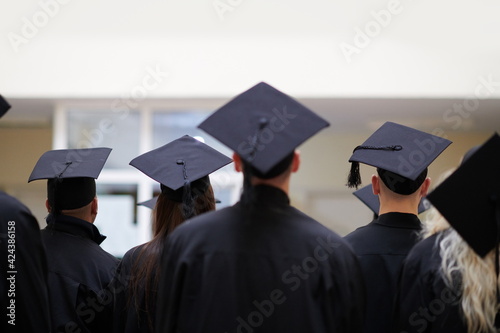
(187, 198)
(354, 178)
(187, 201)
(247, 194)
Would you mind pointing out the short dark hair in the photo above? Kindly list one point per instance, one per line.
(70, 193)
(400, 184)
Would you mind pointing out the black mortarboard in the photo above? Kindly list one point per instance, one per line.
(470, 198)
(181, 167)
(71, 175)
(4, 106)
(365, 195)
(149, 203)
(469, 153)
(152, 202)
(263, 126)
(400, 153)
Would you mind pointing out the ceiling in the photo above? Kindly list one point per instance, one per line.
(344, 114)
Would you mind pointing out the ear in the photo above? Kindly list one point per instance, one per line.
(375, 184)
(296, 161)
(237, 163)
(94, 207)
(47, 205)
(425, 187)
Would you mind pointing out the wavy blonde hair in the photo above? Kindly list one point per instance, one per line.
(476, 276)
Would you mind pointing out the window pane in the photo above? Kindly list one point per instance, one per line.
(173, 125)
(117, 216)
(106, 129)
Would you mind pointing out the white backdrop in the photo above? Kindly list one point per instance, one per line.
(71, 48)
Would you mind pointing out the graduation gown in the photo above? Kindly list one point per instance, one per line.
(79, 269)
(129, 319)
(27, 259)
(424, 303)
(275, 270)
(381, 246)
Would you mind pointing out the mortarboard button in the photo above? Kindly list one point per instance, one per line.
(263, 125)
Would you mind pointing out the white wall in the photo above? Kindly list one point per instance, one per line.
(104, 48)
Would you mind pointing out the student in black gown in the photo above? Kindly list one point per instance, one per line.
(136, 281)
(23, 275)
(382, 245)
(449, 281)
(77, 265)
(260, 265)
(27, 269)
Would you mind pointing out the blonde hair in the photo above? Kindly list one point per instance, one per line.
(466, 273)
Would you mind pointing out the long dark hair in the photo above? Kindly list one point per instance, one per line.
(167, 215)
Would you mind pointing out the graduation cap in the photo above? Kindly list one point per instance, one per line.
(263, 126)
(365, 195)
(4, 106)
(469, 153)
(71, 175)
(149, 203)
(152, 202)
(401, 155)
(182, 168)
(470, 198)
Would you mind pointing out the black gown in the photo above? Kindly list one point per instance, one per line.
(424, 303)
(28, 260)
(79, 269)
(126, 317)
(381, 246)
(276, 270)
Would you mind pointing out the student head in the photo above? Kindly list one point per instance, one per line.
(398, 194)
(71, 174)
(182, 168)
(278, 176)
(170, 210)
(72, 196)
(401, 155)
(263, 126)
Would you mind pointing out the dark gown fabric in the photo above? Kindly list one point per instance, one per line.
(424, 303)
(275, 270)
(127, 317)
(29, 264)
(79, 271)
(381, 246)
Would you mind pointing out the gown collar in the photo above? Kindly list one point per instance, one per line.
(74, 226)
(399, 220)
(270, 195)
